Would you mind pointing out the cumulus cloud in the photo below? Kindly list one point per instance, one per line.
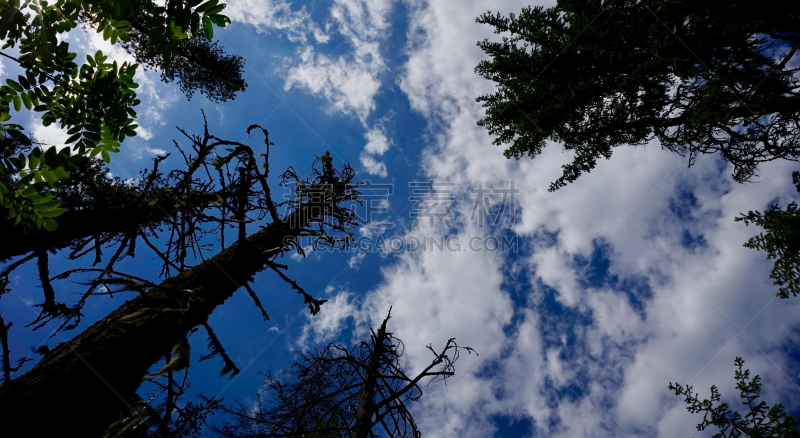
(349, 82)
(276, 15)
(373, 166)
(325, 326)
(635, 276)
(144, 133)
(377, 144)
(50, 135)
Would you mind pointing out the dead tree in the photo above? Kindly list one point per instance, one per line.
(93, 377)
(345, 393)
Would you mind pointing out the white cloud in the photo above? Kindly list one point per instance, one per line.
(325, 326)
(278, 15)
(349, 82)
(50, 135)
(372, 166)
(156, 151)
(669, 310)
(356, 260)
(144, 133)
(377, 143)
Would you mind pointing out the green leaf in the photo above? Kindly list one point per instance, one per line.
(18, 164)
(50, 177)
(219, 20)
(73, 138)
(17, 103)
(26, 100)
(52, 213)
(207, 5)
(34, 158)
(17, 87)
(91, 135)
(208, 28)
(120, 24)
(4, 117)
(49, 224)
(45, 197)
(61, 174)
(106, 156)
(48, 205)
(215, 10)
(24, 82)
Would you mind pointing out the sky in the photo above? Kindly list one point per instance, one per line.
(608, 290)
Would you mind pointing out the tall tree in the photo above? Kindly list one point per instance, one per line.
(93, 102)
(339, 392)
(760, 422)
(100, 369)
(701, 76)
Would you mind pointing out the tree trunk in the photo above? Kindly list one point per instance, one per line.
(87, 382)
(366, 399)
(78, 224)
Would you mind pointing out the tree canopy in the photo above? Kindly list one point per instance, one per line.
(199, 65)
(781, 241)
(701, 76)
(760, 421)
(93, 101)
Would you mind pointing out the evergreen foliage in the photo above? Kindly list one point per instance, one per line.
(760, 421)
(701, 76)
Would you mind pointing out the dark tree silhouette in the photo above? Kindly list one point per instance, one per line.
(200, 65)
(781, 241)
(339, 392)
(760, 422)
(93, 204)
(701, 76)
(94, 101)
(223, 187)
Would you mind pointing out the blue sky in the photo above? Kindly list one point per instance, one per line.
(631, 278)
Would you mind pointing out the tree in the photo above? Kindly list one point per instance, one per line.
(100, 369)
(94, 103)
(199, 65)
(781, 241)
(698, 75)
(93, 204)
(341, 392)
(760, 421)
